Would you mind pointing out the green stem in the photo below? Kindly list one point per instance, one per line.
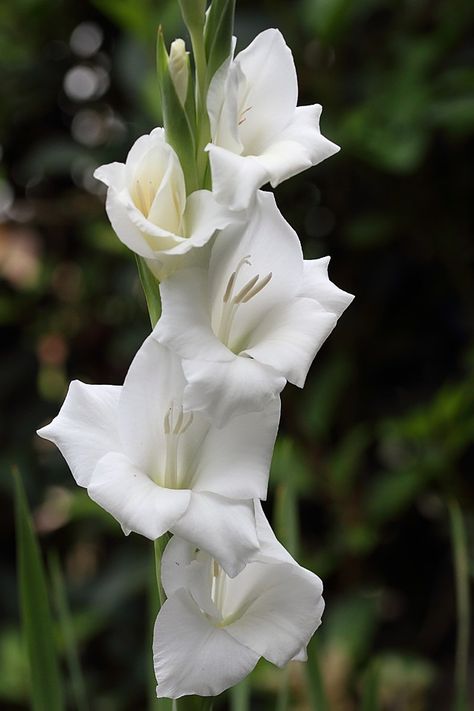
(202, 118)
(461, 574)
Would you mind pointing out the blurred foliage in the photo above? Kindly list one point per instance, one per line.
(382, 434)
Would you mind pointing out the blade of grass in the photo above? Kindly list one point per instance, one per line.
(461, 575)
(240, 696)
(37, 622)
(369, 700)
(65, 620)
(317, 693)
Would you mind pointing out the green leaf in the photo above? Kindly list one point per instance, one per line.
(68, 635)
(151, 289)
(37, 622)
(218, 34)
(193, 12)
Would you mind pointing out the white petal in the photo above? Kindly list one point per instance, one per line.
(304, 129)
(302, 656)
(154, 380)
(271, 91)
(125, 229)
(169, 202)
(134, 499)
(271, 550)
(223, 106)
(225, 528)
(193, 657)
(223, 390)
(183, 565)
(317, 285)
(281, 607)
(204, 216)
(86, 427)
(298, 147)
(111, 174)
(290, 336)
(272, 247)
(185, 324)
(235, 461)
(235, 178)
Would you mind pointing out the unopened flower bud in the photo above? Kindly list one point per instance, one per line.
(179, 68)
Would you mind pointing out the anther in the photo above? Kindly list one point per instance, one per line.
(179, 422)
(167, 422)
(246, 289)
(230, 286)
(258, 287)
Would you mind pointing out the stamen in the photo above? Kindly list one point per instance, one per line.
(230, 286)
(187, 424)
(141, 199)
(179, 422)
(258, 287)
(245, 289)
(167, 422)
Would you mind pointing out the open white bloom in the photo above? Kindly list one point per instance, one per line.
(253, 319)
(258, 133)
(148, 208)
(156, 468)
(212, 629)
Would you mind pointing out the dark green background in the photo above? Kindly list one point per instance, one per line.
(381, 437)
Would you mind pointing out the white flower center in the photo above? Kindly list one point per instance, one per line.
(175, 424)
(234, 298)
(144, 194)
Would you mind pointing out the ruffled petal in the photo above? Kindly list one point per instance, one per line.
(317, 285)
(235, 461)
(223, 390)
(290, 336)
(86, 427)
(134, 499)
(191, 656)
(281, 607)
(225, 528)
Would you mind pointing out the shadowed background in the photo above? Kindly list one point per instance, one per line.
(380, 440)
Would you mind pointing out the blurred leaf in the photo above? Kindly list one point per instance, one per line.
(317, 693)
(349, 626)
(321, 397)
(68, 636)
(240, 696)
(289, 463)
(37, 623)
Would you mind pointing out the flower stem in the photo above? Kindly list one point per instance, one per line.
(461, 574)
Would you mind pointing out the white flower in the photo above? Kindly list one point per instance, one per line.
(212, 630)
(259, 135)
(148, 208)
(253, 319)
(156, 468)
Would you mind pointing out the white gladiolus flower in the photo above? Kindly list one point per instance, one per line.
(258, 133)
(252, 320)
(148, 208)
(212, 629)
(156, 468)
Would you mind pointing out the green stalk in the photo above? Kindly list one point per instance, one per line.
(240, 696)
(461, 574)
(160, 545)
